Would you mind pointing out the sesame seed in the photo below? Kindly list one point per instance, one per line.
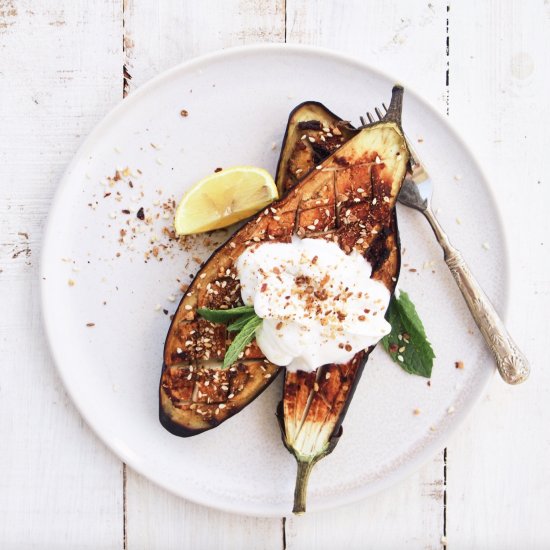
(485, 245)
(221, 405)
(311, 139)
(377, 160)
(318, 167)
(171, 298)
(188, 307)
(374, 201)
(179, 350)
(450, 410)
(400, 358)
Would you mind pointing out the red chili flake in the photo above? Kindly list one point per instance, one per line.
(90, 324)
(459, 365)
(393, 348)
(106, 195)
(184, 113)
(140, 214)
(348, 347)
(125, 211)
(131, 184)
(218, 170)
(263, 288)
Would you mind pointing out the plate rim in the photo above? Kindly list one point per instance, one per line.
(119, 450)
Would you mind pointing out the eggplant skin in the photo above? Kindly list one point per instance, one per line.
(192, 398)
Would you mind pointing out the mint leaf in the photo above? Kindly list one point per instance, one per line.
(242, 339)
(407, 343)
(224, 315)
(241, 321)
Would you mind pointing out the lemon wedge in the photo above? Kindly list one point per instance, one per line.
(224, 198)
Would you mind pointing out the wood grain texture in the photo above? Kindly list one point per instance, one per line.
(498, 479)
(64, 63)
(59, 486)
(157, 519)
(157, 37)
(387, 36)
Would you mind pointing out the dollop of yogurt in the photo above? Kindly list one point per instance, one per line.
(318, 304)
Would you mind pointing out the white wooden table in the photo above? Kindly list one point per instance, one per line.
(65, 63)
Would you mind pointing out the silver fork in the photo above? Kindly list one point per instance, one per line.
(416, 193)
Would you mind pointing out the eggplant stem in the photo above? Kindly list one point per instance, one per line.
(300, 491)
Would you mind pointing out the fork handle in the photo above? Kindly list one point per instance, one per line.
(511, 363)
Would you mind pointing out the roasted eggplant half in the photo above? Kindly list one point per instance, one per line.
(359, 183)
(195, 395)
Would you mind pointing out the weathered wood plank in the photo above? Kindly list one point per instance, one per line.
(158, 36)
(498, 479)
(389, 36)
(59, 486)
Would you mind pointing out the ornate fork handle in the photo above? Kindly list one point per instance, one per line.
(511, 363)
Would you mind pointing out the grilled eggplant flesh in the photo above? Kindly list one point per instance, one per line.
(367, 173)
(312, 134)
(195, 395)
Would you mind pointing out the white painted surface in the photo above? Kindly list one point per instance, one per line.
(61, 71)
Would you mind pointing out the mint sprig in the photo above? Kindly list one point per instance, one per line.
(245, 336)
(224, 315)
(407, 343)
(238, 325)
(239, 319)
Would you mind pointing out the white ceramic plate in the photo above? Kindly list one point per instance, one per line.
(238, 103)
